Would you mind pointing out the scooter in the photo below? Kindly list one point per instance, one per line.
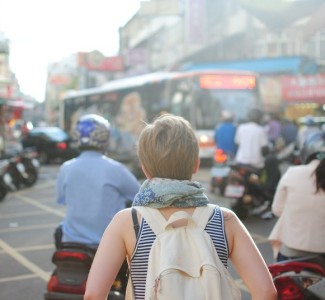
(22, 168)
(6, 183)
(298, 279)
(245, 186)
(290, 153)
(220, 171)
(30, 159)
(69, 278)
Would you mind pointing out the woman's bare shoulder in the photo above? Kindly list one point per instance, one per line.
(122, 217)
(228, 214)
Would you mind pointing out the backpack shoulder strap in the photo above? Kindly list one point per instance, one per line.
(153, 217)
(203, 214)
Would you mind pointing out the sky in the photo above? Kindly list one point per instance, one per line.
(45, 31)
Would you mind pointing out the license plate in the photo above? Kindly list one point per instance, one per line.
(220, 172)
(234, 191)
(21, 168)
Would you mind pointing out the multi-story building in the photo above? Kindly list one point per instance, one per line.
(180, 34)
(167, 33)
(173, 35)
(13, 103)
(78, 71)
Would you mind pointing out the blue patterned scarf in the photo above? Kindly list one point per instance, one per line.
(163, 192)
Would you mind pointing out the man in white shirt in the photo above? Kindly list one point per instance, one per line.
(251, 138)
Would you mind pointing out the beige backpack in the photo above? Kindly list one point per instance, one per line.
(183, 262)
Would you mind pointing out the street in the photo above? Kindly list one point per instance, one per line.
(28, 218)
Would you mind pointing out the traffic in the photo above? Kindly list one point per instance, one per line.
(186, 163)
(239, 196)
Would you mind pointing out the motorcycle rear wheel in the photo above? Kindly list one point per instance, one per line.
(240, 210)
(31, 178)
(3, 191)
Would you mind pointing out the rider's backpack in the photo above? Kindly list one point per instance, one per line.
(183, 262)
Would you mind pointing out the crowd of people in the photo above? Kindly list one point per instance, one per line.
(97, 191)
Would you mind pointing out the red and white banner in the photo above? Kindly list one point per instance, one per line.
(195, 21)
(304, 88)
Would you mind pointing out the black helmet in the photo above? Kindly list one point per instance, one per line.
(255, 115)
(313, 145)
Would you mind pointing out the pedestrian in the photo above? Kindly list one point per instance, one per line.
(299, 204)
(273, 128)
(289, 131)
(224, 135)
(169, 155)
(93, 186)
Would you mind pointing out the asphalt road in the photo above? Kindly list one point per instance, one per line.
(28, 218)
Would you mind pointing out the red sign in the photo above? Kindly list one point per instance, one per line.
(228, 82)
(304, 88)
(95, 61)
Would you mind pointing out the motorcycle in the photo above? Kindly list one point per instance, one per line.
(220, 171)
(6, 183)
(297, 279)
(290, 153)
(244, 184)
(30, 159)
(69, 278)
(22, 168)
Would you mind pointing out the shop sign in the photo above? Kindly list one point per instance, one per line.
(95, 61)
(302, 88)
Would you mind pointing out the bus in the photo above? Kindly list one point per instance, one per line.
(198, 96)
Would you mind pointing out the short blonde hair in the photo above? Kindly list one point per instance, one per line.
(168, 148)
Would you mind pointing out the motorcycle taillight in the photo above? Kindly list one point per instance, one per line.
(54, 285)
(220, 156)
(62, 145)
(295, 266)
(287, 289)
(69, 255)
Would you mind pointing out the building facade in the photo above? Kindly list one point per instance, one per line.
(180, 34)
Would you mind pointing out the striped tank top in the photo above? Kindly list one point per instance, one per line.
(139, 261)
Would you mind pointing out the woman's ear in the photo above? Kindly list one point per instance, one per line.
(145, 172)
(197, 166)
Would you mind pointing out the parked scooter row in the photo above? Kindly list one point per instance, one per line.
(68, 280)
(18, 170)
(298, 279)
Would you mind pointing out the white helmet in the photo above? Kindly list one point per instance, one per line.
(226, 115)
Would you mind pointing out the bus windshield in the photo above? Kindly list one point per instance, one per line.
(210, 103)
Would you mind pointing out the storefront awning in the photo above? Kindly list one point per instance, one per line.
(272, 65)
(16, 103)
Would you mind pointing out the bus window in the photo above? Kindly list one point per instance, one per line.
(207, 110)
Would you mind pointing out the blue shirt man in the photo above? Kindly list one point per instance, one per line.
(224, 136)
(94, 188)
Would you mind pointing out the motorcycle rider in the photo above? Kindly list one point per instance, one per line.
(299, 202)
(93, 186)
(224, 135)
(251, 138)
(255, 152)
